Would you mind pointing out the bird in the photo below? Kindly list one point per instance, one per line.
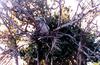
(41, 25)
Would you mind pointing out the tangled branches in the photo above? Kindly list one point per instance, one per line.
(57, 39)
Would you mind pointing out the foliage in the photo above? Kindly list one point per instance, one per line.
(52, 39)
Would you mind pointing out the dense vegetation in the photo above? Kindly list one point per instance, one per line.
(54, 39)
